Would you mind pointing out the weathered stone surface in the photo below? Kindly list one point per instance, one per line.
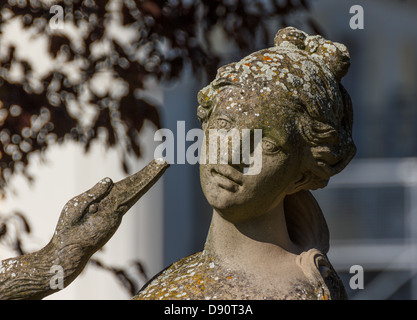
(204, 275)
(268, 238)
(86, 223)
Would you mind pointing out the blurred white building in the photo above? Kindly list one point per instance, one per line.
(371, 206)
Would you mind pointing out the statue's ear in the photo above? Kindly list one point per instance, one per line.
(302, 183)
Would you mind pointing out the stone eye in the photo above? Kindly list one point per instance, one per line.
(223, 124)
(93, 208)
(269, 147)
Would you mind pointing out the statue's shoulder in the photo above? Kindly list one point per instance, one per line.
(170, 282)
(321, 274)
(200, 277)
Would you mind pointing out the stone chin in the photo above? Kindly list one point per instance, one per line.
(231, 200)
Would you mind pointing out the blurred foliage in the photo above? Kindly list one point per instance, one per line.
(13, 229)
(127, 42)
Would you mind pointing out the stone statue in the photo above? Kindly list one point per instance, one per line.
(268, 238)
(86, 223)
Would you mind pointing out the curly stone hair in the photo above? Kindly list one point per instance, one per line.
(304, 72)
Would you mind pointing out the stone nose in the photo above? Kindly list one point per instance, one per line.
(246, 156)
(234, 147)
(229, 148)
(240, 144)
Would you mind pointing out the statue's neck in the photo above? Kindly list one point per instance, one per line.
(246, 245)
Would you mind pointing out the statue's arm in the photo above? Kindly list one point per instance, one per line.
(86, 223)
(39, 274)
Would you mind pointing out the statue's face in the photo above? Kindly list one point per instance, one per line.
(236, 195)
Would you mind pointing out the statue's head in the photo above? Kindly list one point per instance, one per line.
(292, 92)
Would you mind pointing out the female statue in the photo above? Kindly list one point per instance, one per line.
(268, 238)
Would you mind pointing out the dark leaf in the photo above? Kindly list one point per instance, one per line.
(104, 121)
(56, 42)
(24, 221)
(97, 263)
(18, 246)
(127, 17)
(141, 269)
(125, 166)
(3, 229)
(125, 280)
(134, 145)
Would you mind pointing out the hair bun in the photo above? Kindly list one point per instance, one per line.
(290, 36)
(333, 54)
